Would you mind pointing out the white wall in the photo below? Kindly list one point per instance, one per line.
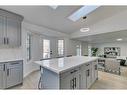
(39, 33)
(122, 45)
(30, 66)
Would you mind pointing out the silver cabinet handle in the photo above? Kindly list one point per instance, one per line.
(73, 71)
(7, 72)
(87, 64)
(4, 68)
(14, 63)
(74, 82)
(88, 73)
(95, 67)
(4, 40)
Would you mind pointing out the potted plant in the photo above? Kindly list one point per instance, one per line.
(94, 51)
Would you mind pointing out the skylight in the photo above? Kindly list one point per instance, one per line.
(83, 11)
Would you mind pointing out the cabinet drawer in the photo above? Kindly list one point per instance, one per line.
(69, 72)
(14, 64)
(85, 66)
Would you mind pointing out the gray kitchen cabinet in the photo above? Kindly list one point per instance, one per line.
(14, 74)
(1, 75)
(66, 81)
(94, 71)
(70, 79)
(10, 29)
(83, 77)
(76, 79)
(11, 74)
(88, 75)
(2, 30)
(13, 28)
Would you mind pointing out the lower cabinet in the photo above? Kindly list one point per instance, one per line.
(83, 83)
(88, 75)
(94, 71)
(11, 73)
(79, 78)
(70, 79)
(14, 74)
(1, 75)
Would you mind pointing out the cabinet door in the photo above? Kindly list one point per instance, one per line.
(96, 71)
(13, 29)
(76, 80)
(88, 75)
(70, 79)
(83, 77)
(2, 30)
(1, 75)
(66, 80)
(14, 74)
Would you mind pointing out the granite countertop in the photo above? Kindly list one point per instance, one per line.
(59, 65)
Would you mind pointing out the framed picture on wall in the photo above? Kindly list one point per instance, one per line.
(112, 52)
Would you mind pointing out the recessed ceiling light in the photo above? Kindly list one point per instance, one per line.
(53, 6)
(84, 29)
(119, 39)
(83, 11)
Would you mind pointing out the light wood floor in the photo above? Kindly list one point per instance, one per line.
(105, 81)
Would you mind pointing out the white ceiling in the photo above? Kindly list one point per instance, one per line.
(57, 19)
(106, 37)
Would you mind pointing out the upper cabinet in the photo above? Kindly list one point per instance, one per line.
(2, 25)
(10, 29)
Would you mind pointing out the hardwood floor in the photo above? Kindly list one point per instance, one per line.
(30, 82)
(105, 81)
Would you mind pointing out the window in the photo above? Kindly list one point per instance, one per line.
(28, 43)
(46, 48)
(78, 50)
(60, 47)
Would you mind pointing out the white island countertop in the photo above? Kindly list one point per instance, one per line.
(59, 65)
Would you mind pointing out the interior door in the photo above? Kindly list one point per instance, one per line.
(13, 32)
(14, 74)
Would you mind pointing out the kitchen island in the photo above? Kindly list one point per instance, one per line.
(76, 72)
